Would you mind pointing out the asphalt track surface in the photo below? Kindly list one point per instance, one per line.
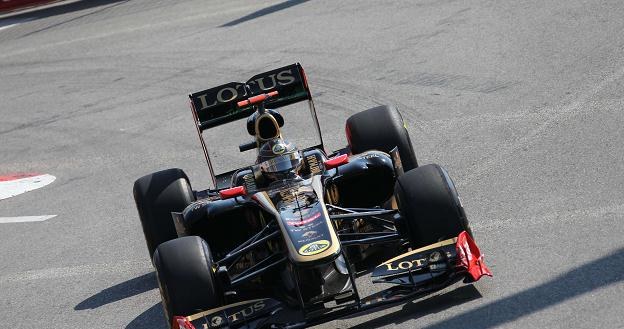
(521, 101)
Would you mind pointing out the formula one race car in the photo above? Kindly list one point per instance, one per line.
(280, 243)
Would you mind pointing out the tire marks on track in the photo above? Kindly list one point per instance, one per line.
(125, 268)
(551, 117)
(353, 98)
(457, 82)
(577, 215)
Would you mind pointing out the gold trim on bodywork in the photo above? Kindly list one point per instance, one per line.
(319, 245)
(265, 201)
(393, 203)
(334, 248)
(332, 195)
(219, 309)
(278, 134)
(425, 248)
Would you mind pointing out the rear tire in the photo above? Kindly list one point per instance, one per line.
(156, 196)
(381, 128)
(430, 205)
(185, 277)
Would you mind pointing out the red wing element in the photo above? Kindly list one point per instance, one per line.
(469, 257)
(232, 192)
(336, 161)
(180, 322)
(256, 99)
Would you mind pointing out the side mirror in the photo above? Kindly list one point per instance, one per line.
(336, 161)
(232, 192)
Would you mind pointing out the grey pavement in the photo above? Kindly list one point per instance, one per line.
(520, 100)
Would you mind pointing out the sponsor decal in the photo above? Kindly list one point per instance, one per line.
(314, 248)
(224, 95)
(225, 319)
(288, 196)
(237, 90)
(216, 321)
(283, 78)
(406, 264)
(314, 225)
(435, 256)
(278, 148)
(313, 164)
(247, 311)
(434, 261)
(371, 155)
(309, 234)
(299, 221)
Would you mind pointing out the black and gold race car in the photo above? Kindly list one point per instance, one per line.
(280, 243)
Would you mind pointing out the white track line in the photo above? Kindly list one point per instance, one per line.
(7, 26)
(25, 219)
(7, 23)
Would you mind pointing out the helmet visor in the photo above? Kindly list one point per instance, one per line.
(282, 163)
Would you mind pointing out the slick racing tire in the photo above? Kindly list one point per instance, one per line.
(156, 196)
(430, 206)
(381, 128)
(185, 277)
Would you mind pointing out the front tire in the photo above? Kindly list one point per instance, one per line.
(157, 195)
(381, 128)
(185, 277)
(430, 206)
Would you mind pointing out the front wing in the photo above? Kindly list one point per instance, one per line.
(415, 274)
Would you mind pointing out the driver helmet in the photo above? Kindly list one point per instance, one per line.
(279, 159)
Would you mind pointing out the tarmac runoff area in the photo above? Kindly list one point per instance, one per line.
(520, 101)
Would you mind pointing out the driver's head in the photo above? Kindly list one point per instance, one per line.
(279, 159)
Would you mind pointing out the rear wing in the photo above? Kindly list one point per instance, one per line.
(216, 106)
(219, 105)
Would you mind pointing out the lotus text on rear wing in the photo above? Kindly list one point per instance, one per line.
(228, 94)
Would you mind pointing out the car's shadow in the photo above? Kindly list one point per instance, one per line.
(264, 11)
(120, 291)
(416, 309)
(152, 318)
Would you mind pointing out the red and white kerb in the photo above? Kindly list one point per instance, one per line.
(16, 184)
